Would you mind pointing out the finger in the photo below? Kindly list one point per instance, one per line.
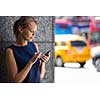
(45, 58)
(38, 54)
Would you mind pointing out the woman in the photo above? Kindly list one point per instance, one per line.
(23, 59)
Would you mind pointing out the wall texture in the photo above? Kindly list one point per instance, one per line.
(44, 38)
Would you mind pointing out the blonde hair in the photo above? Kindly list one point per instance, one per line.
(23, 22)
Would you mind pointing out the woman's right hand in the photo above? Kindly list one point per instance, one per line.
(35, 57)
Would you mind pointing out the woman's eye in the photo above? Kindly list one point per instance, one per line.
(31, 31)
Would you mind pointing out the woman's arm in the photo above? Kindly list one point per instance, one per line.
(12, 66)
(42, 70)
(44, 59)
(42, 65)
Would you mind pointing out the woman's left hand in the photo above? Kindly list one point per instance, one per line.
(45, 58)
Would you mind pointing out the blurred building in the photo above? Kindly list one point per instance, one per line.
(87, 26)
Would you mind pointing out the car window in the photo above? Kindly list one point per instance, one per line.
(60, 43)
(78, 43)
(63, 43)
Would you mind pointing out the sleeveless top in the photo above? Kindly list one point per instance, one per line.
(22, 56)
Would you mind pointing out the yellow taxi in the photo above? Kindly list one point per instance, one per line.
(71, 48)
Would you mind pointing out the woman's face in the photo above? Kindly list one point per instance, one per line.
(29, 32)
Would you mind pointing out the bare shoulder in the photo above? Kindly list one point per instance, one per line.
(9, 50)
(36, 45)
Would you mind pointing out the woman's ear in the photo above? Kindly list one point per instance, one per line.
(20, 29)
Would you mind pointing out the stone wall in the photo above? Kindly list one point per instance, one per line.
(44, 38)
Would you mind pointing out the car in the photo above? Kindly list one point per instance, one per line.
(71, 48)
(95, 51)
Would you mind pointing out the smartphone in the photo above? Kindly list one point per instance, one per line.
(47, 52)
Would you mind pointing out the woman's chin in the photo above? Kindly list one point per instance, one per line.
(30, 40)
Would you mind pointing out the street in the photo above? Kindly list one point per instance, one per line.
(72, 73)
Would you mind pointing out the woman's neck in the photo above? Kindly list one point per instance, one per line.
(20, 42)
